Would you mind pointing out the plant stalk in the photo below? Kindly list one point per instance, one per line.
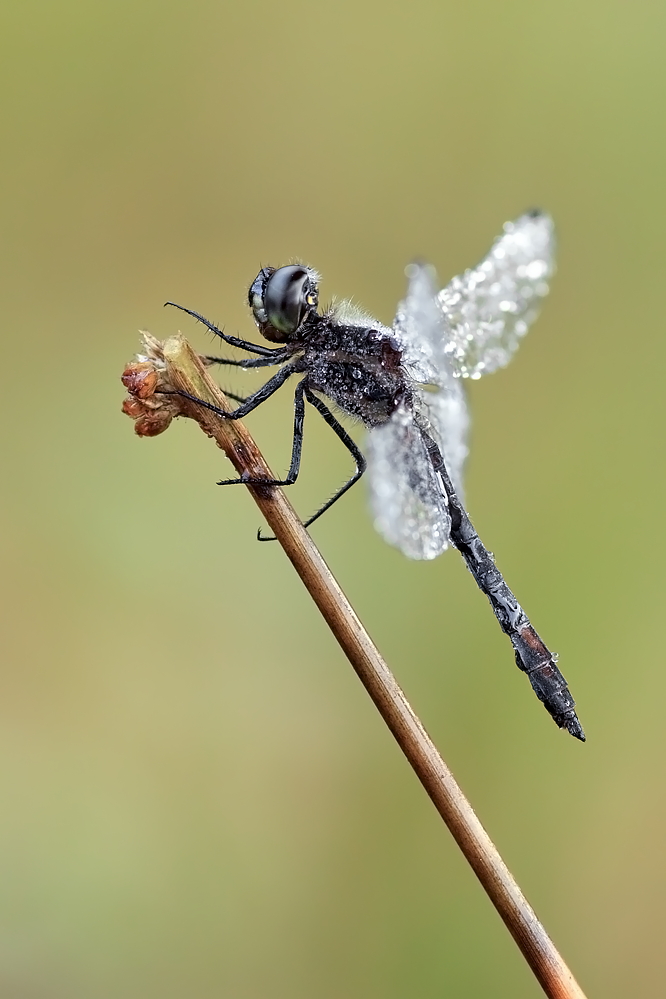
(182, 369)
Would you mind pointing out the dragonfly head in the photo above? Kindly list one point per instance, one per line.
(281, 300)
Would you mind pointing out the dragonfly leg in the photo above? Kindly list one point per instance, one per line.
(349, 443)
(248, 362)
(296, 450)
(253, 348)
(250, 403)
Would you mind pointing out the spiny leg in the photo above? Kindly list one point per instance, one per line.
(248, 362)
(349, 443)
(251, 402)
(296, 450)
(254, 348)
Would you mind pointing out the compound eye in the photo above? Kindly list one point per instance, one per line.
(289, 296)
(256, 295)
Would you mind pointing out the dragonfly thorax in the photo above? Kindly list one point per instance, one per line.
(358, 368)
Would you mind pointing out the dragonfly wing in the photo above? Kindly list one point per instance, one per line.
(406, 496)
(446, 412)
(489, 308)
(423, 330)
(470, 328)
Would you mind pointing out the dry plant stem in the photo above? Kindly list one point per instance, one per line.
(186, 372)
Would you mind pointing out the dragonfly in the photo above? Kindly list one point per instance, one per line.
(405, 384)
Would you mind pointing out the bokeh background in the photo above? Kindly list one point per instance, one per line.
(197, 797)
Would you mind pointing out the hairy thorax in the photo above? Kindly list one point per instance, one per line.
(358, 368)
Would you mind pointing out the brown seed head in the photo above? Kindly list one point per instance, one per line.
(140, 379)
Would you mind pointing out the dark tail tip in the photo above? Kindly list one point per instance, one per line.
(574, 727)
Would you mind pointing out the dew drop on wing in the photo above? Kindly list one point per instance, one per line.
(407, 499)
(409, 506)
(489, 308)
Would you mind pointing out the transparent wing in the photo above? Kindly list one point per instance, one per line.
(405, 493)
(445, 410)
(421, 328)
(423, 332)
(470, 328)
(488, 309)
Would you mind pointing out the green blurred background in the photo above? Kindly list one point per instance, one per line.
(197, 797)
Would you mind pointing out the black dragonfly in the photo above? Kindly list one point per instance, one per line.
(405, 384)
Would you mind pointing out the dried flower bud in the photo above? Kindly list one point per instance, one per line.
(152, 423)
(133, 408)
(140, 379)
